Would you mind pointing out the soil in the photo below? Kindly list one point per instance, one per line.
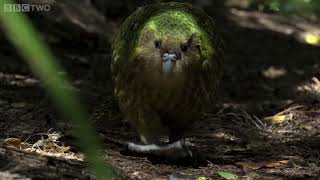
(261, 127)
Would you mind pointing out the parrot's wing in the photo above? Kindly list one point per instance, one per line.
(212, 64)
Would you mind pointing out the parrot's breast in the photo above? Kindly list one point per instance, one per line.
(178, 102)
(145, 94)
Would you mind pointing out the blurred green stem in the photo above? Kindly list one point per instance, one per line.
(27, 41)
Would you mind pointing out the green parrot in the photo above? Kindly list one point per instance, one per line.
(166, 66)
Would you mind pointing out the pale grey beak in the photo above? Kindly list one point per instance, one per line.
(168, 62)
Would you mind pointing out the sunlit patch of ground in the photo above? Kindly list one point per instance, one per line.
(46, 145)
(299, 28)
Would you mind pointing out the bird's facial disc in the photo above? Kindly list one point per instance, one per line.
(168, 62)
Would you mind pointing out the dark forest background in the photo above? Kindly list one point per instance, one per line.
(264, 125)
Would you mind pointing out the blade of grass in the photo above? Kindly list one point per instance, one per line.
(27, 41)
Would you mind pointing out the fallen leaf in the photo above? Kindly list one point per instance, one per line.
(274, 164)
(201, 178)
(278, 119)
(306, 127)
(267, 164)
(60, 149)
(13, 141)
(249, 165)
(227, 175)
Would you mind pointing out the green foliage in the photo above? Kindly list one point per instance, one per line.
(201, 178)
(306, 8)
(227, 175)
(30, 46)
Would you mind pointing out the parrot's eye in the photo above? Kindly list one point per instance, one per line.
(198, 47)
(157, 44)
(184, 48)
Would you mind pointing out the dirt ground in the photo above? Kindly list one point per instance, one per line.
(264, 125)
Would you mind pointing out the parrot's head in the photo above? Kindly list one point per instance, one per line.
(170, 43)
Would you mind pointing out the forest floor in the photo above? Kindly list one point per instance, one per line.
(265, 124)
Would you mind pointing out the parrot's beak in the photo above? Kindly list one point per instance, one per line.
(168, 62)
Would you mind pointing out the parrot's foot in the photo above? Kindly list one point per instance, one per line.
(176, 152)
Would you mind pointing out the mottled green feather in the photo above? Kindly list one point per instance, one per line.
(165, 107)
(127, 36)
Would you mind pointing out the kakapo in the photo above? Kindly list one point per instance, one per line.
(166, 66)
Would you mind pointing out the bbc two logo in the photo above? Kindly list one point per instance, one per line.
(25, 7)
